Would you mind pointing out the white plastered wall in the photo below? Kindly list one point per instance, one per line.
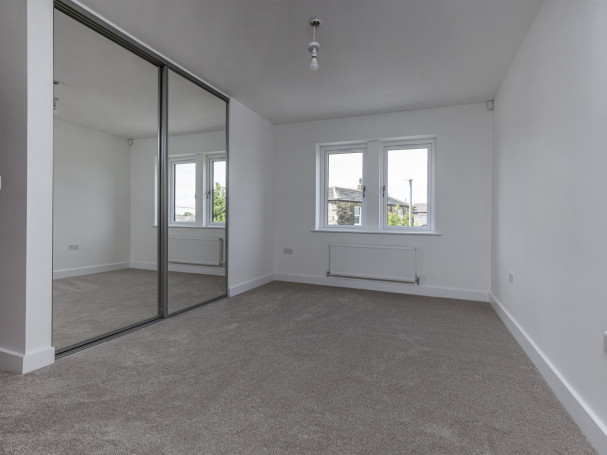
(251, 199)
(13, 169)
(549, 212)
(92, 201)
(26, 167)
(454, 264)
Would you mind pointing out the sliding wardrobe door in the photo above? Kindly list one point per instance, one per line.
(105, 172)
(197, 180)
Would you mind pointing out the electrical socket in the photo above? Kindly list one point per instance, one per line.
(287, 251)
(511, 277)
(72, 247)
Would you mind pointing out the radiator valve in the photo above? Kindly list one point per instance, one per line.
(417, 278)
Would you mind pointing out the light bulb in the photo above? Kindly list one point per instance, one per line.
(314, 45)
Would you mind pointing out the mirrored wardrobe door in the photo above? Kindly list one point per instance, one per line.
(105, 171)
(197, 180)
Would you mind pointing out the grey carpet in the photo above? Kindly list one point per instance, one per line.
(296, 369)
(88, 306)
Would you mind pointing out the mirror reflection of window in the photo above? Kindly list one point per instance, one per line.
(184, 192)
(197, 199)
(218, 191)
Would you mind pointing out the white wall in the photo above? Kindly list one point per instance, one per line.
(38, 350)
(143, 193)
(26, 193)
(549, 203)
(454, 264)
(13, 169)
(251, 199)
(143, 232)
(91, 200)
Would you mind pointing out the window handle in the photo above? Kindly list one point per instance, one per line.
(364, 190)
(383, 191)
(208, 194)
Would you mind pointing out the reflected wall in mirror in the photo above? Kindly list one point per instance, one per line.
(104, 242)
(197, 194)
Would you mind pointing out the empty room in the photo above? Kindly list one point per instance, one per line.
(267, 226)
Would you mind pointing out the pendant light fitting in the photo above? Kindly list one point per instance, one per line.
(314, 46)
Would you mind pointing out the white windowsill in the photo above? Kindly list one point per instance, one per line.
(352, 231)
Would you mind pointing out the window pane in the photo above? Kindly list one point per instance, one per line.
(345, 188)
(357, 216)
(185, 192)
(407, 201)
(219, 192)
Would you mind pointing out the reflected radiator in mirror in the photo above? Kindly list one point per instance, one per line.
(196, 251)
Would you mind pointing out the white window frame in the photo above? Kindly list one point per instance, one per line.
(386, 146)
(174, 160)
(325, 152)
(211, 159)
(204, 179)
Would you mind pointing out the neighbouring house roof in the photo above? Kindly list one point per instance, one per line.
(420, 207)
(337, 193)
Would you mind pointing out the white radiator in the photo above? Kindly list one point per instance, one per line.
(196, 251)
(389, 263)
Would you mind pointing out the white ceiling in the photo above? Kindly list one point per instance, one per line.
(375, 55)
(105, 87)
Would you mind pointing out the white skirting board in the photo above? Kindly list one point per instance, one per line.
(24, 363)
(384, 286)
(67, 273)
(590, 424)
(248, 285)
(183, 268)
